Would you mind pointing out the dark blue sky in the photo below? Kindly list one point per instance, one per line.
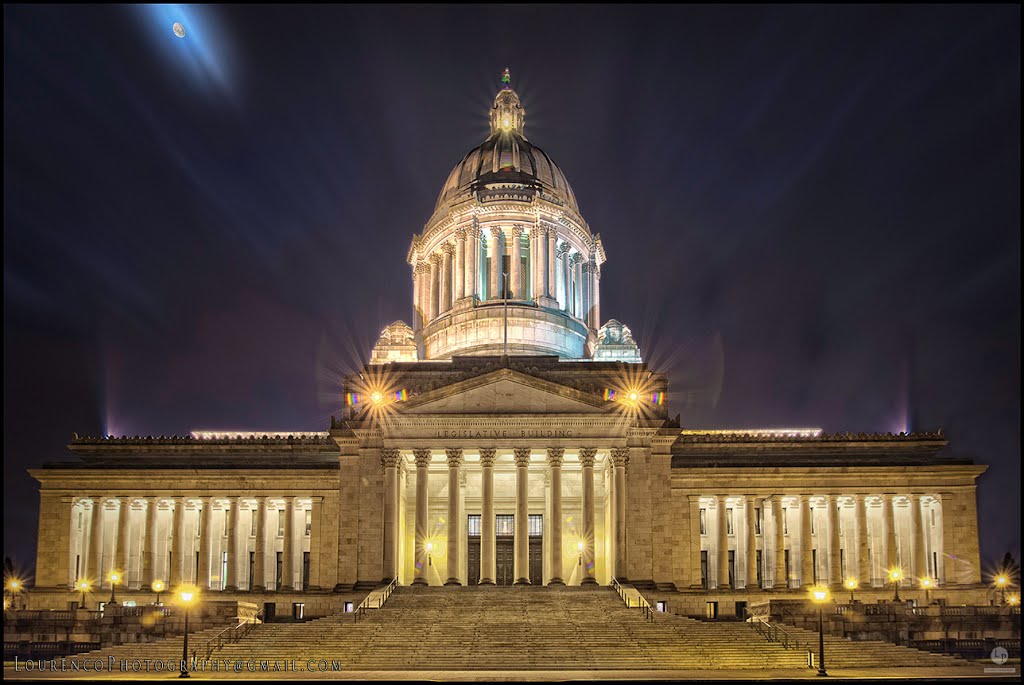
(812, 214)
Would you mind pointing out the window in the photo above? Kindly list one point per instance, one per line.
(935, 565)
(280, 523)
(309, 522)
(732, 568)
(253, 521)
(298, 610)
(78, 567)
(789, 573)
(280, 570)
(473, 525)
(703, 521)
(348, 607)
(195, 578)
(759, 561)
(932, 511)
(661, 606)
(305, 570)
(536, 525)
(704, 569)
(785, 522)
(728, 522)
(812, 520)
(711, 610)
(223, 570)
(81, 516)
(839, 518)
(199, 524)
(252, 569)
(504, 524)
(814, 564)
(757, 520)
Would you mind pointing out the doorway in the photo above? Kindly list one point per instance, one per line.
(505, 560)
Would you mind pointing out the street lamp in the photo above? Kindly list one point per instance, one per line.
(851, 585)
(430, 548)
(158, 587)
(579, 547)
(186, 597)
(83, 587)
(114, 579)
(927, 584)
(1013, 600)
(894, 577)
(1001, 581)
(820, 596)
(13, 586)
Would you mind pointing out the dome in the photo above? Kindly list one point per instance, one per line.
(507, 157)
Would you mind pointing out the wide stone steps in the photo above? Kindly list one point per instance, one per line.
(164, 650)
(843, 653)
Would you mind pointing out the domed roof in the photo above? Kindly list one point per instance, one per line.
(507, 157)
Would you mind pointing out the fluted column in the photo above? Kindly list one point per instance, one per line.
(487, 541)
(176, 575)
(917, 538)
(288, 556)
(806, 558)
(536, 281)
(552, 253)
(555, 455)
(751, 540)
(722, 546)
(595, 290)
(835, 564)
(585, 293)
(448, 253)
(522, 522)
(587, 456)
(416, 293)
(515, 263)
(563, 275)
(422, 474)
(495, 289)
(454, 455)
(473, 279)
(435, 286)
(861, 520)
(259, 576)
(149, 546)
(95, 569)
(231, 579)
(124, 545)
(620, 457)
(781, 572)
(575, 262)
(460, 264)
(389, 459)
(892, 559)
(206, 516)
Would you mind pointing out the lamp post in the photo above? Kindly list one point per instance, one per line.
(894, 577)
(1013, 600)
(186, 596)
(820, 596)
(158, 587)
(114, 578)
(430, 548)
(579, 548)
(1001, 581)
(927, 584)
(13, 587)
(851, 585)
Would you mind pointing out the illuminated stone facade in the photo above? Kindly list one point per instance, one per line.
(454, 463)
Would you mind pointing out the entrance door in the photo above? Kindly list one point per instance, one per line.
(536, 549)
(505, 554)
(473, 560)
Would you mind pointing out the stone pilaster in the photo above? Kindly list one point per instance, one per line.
(454, 455)
(860, 514)
(722, 541)
(205, 551)
(259, 576)
(234, 509)
(150, 562)
(751, 541)
(835, 570)
(448, 253)
(487, 540)
(555, 455)
(781, 579)
(806, 543)
(460, 264)
(423, 458)
(176, 574)
(389, 459)
(620, 458)
(316, 536)
(587, 458)
(522, 522)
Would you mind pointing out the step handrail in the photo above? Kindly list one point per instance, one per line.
(232, 633)
(383, 597)
(773, 632)
(641, 603)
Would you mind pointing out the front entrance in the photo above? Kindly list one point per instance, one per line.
(505, 560)
(505, 550)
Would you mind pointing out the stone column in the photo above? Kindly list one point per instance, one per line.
(835, 567)
(473, 284)
(389, 459)
(585, 293)
(861, 515)
(417, 292)
(781, 579)
(494, 292)
(563, 254)
(231, 581)
(448, 253)
(806, 558)
(722, 546)
(95, 565)
(315, 536)
(122, 560)
(177, 544)
(891, 557)
(259, 575)
(515, 266)
(536, 281)
(522, 530)
(435, 286)
(552, 289)
(917, 538)
(620, 458)
(595, 290)
(454, 455)
(487, 541)
(288, 556)
(555, 455)
(587, 456)
(150, 561)
(422, 474)
(577, 289)
(694, 551)
(460, 264)
(751, 547)
(206, 517)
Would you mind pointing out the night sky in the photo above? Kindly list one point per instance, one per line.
(811, 214)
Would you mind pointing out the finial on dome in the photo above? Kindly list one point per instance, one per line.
(507, 114)
(506, 78)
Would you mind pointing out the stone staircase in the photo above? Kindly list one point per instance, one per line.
(511, 629)
(843, 653)
(167, 649)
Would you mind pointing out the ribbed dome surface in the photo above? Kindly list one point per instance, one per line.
(506, 157)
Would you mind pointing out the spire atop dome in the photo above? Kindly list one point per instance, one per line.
(507, 114)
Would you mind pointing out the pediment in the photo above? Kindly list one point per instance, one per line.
(505, 392)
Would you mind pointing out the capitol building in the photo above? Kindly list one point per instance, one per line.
(508, 433)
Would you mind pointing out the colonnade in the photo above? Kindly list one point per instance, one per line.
(556, 274)
(800, 540)
(196, 539)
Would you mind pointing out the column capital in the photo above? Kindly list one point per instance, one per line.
(454, 455)
(487, 456)
(563, 248)
(461, 233)
(517, 230)
(435, 259)
(522, 455)
(620, 456)
(422, 455)
(448, 248)
(576, 258)
(476, 232)
(587, 456)
(495, 232)
(389, 457)
(555, 455)
(534, 233)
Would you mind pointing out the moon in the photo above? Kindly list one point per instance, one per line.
(178, 29)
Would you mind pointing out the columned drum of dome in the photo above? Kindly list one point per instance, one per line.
(508, 209)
